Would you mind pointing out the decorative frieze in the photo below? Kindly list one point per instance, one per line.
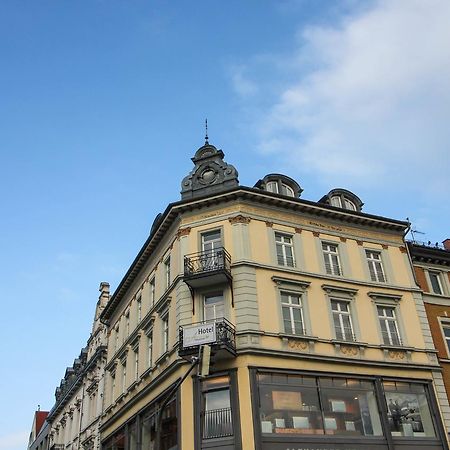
(183, 232)
(269, 224)
(239, 219)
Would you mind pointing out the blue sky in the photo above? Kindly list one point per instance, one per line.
(102, 104)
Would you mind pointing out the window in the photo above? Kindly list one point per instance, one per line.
(213, 306)
(302, 405)
(149, 347)
(167, 271)
(127, 324)
(211, 241)
(280, 188)
(285, 250)
(375, 266)
(136, 363)
(113, 385)
(331, 259)
(408, 410)
(342, 202)
(212, 258)
(388, 325)
(117, 337)
(165, 332)
(139, 309)
(446, 331)
(436, 285)
(336, 201)
(124, 376)
(216, 418)
(291, 306)
(152, 291)
(348, 204)
(342, 320)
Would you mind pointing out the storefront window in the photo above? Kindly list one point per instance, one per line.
(408, 410)
(350, 407)
(132, 436)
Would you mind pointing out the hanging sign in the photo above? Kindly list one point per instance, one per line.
(199, 334)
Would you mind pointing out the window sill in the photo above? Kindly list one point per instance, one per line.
(162, 358)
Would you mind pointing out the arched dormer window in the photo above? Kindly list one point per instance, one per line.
(279, 184)
(341, 198)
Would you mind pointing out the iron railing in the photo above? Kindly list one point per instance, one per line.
(208, 261)
(225, 338)
(217, 423)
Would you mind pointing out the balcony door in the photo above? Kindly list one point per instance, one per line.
(211, 249)
(213, 308)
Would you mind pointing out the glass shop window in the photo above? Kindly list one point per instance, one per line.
(408, 410)
(350, 407)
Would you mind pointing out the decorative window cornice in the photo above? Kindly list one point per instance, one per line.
(380, 296)
(285, 282)
(330, 289)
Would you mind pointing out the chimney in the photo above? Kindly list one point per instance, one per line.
(446, 244)
(104, 294)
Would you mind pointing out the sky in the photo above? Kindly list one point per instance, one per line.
(103, 103)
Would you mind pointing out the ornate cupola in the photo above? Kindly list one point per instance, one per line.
(211, 173)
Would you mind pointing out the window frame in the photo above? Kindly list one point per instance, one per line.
(341, 314)
(439, 279)
(291, 307)
(327, 253)
(445, 324)
(372, 263)
(215, 293)
(283, 245)
(167, 271)
(388, 320)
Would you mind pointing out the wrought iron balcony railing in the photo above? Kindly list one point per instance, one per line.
(207, 263)
(225, 338)
(217, 423)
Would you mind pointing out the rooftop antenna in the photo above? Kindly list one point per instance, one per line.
(206, 132)
(414, 231)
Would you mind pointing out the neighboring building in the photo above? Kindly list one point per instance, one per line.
(314, 315)
(75, 417)
(432, 269)
(39, 431)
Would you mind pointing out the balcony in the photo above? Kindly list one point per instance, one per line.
(207, 268)
(223, 344)
(217, 423)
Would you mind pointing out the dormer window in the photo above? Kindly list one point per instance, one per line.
(279, 184)
(341, 198)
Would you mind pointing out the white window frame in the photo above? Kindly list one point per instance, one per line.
(152, 291)
(328, 254)
(136, 363)
(290, 306)
(214, 294)
(117, 337)
(340, 314)
(282, 244)
(127, 324)
(149, 334)
(438, 277)
(167, 273)
(445, 324)
(124, 376)
(139, 308)
(388, 319)
(165, 332)
(376, 274)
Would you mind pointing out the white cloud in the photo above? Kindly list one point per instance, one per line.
(18, 440)
(241, 83)
(370, 98)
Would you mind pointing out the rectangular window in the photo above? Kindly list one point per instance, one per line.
(436, 285)
(149, 348)
(167, 271)
(139, 309)
(446, 330)
(342, 320)
(388, 325)
(375, 266)
(117, 337)
(293, 404)
(216, 417)
(212, 250)
(331, 259)
(213, 306)
(165, 333)
(113, 386)
(408, 410)
(291, 306)
(152, 291)
(124, 376)
(285, 250)
(136, 363)
(127, 324)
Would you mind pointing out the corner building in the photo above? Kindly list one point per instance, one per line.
(318, 342)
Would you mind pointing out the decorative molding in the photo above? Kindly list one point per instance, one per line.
(402, 249)
(360, 242)
(183, 232)
(384, 246)
(329, 289)
(280, 281)
(377, 296)
(349, 350)
(295, 344)
(239, 219)
(269, 224)
(316, 233)
(397, 355)
(343, 239)
(298, 230)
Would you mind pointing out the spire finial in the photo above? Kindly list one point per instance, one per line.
(206, 132)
